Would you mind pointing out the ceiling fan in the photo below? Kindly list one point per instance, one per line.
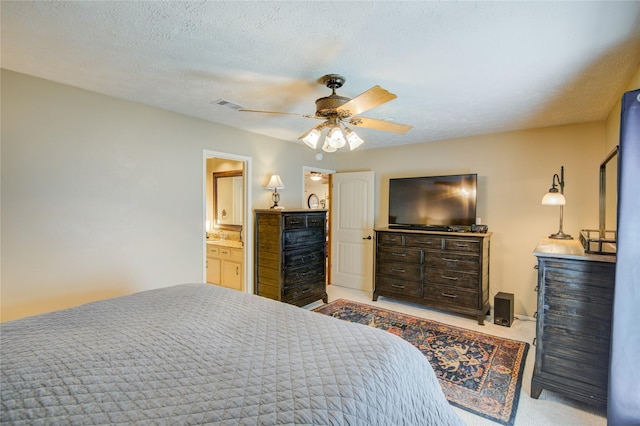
(337, 111)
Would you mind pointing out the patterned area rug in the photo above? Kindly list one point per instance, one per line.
(478, 372)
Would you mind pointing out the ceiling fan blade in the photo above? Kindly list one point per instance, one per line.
(385, 126)
(282, 113)
(365, 101)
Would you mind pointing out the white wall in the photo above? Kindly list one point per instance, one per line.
(102, 197)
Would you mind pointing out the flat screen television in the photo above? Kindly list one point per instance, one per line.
(429, 202)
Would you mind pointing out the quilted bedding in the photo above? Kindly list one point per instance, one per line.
(198, 353)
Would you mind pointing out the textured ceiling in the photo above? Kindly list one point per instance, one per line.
(458, 68)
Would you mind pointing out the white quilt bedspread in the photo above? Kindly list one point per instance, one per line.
(201, 354)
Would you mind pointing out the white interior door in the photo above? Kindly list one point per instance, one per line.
(352, 230)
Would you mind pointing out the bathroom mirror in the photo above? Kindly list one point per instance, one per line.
(227, 200)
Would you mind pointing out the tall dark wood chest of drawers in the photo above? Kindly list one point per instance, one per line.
(291, 255)
(573, 325)
(445, 270)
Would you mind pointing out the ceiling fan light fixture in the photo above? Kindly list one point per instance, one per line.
(338, 110)
(311, 138)
(353, 139)
(335, 138)
(316, 176)
(328, 148)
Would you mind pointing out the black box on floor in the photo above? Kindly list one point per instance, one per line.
(503, 309)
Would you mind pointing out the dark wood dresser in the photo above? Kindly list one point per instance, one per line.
(291, 255)
(573, 326)
(445, 270)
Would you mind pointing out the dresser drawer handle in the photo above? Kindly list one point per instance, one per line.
(450, 260)
(306, 290)
(295, 222)
(398, 270)
(452, 296)
(449, 278)
(462, 245)
(397, 286)
(399, 254)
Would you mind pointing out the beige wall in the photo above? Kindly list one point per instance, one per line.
(613, 120)
(613, 139)
(514, 172)
(102, 197)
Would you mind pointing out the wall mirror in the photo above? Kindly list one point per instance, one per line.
(227, 200)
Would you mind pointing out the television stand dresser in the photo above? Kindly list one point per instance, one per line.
(444, 270)
(573, 322)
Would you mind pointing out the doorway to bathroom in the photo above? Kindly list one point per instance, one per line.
(227, 236)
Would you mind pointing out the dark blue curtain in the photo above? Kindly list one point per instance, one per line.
(624, 368)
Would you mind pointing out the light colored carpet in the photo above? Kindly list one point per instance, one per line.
(549, 409)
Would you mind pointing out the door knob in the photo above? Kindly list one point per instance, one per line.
(367, 238)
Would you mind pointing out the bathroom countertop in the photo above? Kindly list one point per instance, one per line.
(226, 243)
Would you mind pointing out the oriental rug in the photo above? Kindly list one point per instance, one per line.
(478, 372)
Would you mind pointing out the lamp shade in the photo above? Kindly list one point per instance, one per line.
(275, 183)
(553, 199)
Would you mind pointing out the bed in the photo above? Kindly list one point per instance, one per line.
(202, 354)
